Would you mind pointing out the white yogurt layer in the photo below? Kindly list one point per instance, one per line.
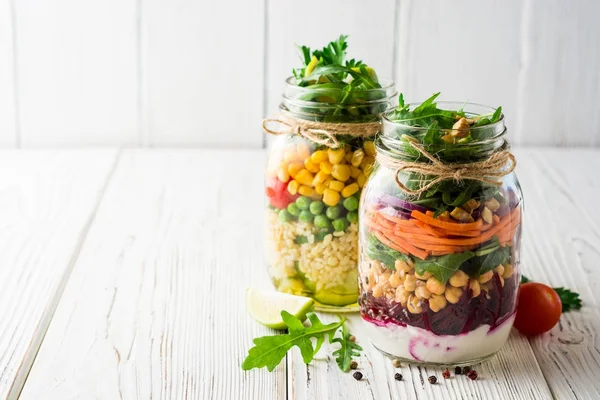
(418, 344)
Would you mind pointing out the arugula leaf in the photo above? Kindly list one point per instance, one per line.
(268, 351)
(444, 266)
(347, 350)
(490, 261)
(569, 299)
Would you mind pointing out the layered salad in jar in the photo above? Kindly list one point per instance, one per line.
(439, 249)
(317, 168)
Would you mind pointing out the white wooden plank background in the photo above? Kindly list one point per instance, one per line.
(560, 80)
(77, 72)
(188, 73)
(8, 129)
(562, 248)
(202, 64)
(47, 202)
(466, 49)
(370, 27)
(155, 305)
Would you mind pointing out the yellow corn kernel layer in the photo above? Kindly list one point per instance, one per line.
(330, 174)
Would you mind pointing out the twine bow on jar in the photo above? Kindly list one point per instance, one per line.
(494, 166)
(323, 133)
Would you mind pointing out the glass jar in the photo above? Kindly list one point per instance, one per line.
(313, 184)
(439, 270)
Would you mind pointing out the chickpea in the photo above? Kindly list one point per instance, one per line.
(423, 277)
(376, 266)
(371, 277)
(500, 269)
(475, 287)
(401, 265)
(437, 302)
(402, 274)
(395, 280)
(401, 295)
(508, 271)
(422, 292)
(378, 291)
(384, 277)
(486, 277)
(453, 294)
(410, 283)
(414, 305)
(435, 286)
(459, 279)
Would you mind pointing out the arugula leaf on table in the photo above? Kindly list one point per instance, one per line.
(268, 351)
(347, 350)
(443, 267)
(569, 299)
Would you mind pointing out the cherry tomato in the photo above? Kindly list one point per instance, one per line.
(538, 310)
(278, 194)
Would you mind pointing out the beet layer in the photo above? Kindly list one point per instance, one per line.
(489, 308)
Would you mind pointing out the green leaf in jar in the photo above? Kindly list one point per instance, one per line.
(501, 255)
(443, 267)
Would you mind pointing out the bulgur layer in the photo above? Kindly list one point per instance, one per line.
(325, 263)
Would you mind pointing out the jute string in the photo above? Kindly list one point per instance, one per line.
(482, 171)
(323, 133)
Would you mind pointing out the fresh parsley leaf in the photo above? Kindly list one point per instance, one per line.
(444, 266)
(569, 299)
(347, 350)
(268, 351)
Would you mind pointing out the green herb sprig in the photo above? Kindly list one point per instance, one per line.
(268, 351)
(569, 299)
(347, 350)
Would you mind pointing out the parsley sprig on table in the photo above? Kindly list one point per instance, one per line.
(268, 351)
(569, 299)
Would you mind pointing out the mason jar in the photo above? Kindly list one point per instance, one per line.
(440, 241)
(318, 164)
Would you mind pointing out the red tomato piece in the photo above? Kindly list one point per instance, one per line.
(278, 194)
(538, 310)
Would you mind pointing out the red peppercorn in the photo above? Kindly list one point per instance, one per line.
(446, 374)
(472, 374)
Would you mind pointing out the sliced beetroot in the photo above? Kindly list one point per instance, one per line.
(467, 315)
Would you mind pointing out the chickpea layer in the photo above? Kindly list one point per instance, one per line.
(412, 290)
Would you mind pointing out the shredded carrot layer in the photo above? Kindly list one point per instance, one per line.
(424, 235)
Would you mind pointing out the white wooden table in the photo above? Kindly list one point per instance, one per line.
(123, 273)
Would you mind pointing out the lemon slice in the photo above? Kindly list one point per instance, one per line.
(265, 306)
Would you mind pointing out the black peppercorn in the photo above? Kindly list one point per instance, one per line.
(398, 376)
(432, 379)
(466, 370)
(353, 365)
(357, 375)
(457, 371)
(472, 374)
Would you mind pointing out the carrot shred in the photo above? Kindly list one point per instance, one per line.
(429, 229)
(383, 239)
(496, 219)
